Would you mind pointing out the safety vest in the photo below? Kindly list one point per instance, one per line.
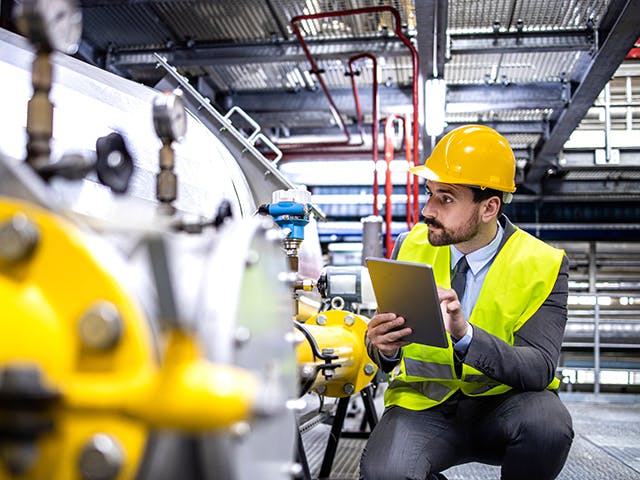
(521, 277)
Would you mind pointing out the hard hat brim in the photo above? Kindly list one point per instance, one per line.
(427, 173)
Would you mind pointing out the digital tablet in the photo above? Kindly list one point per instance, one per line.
(409, 290)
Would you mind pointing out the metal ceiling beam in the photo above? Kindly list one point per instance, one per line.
(506, 127)
(478, 98)
(462, 98)
(617, 32)
(522, 42)
(239, 54)
(305, 100)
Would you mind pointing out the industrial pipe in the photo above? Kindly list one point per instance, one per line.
(374, 107)
(414, 54)
(388, 185)
(333, 360)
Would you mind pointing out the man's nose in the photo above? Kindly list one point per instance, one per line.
(428, 210)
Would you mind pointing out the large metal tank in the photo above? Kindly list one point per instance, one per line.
(152, 353)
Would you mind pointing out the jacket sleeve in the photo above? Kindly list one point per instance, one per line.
(530, 363)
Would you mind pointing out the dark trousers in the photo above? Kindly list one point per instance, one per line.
(528, 433)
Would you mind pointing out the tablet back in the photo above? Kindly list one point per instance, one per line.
(409, 290)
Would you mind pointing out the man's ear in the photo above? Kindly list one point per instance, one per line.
(491, 208)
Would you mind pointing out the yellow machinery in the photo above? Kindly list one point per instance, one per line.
(132, 348)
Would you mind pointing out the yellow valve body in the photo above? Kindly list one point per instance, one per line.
(342, 332)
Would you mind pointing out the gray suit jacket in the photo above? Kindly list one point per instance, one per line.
(530, 363)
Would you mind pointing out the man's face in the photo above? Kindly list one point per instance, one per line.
(452, 215)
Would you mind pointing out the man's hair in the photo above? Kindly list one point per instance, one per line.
(480, 194)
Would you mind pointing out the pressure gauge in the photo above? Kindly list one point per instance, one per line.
(169, 116)
(51, 24)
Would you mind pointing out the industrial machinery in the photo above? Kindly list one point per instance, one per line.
(147, 313)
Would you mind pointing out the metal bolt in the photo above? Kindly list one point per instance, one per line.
(18, 238)
(100, 327)
(348, 388)
(321, 389)
(307, 371)
(321, 319)
(101, 458)
(349, 320)
(369, 368)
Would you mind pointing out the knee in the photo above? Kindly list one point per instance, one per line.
(552, 431)
(379, 467)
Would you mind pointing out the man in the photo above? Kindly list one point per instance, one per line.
(491, 395)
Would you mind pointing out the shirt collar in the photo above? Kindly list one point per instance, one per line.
(478, 258)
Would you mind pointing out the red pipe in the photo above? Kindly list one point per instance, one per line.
(634, 53)
(374, 107)
(388, 186)
(334, 110)
(407, 148)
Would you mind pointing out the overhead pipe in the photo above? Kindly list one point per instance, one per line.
(374, 140)
(397, 24)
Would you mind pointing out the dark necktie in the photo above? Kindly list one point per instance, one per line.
(459, 279)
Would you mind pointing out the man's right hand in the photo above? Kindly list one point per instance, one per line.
(385, 333)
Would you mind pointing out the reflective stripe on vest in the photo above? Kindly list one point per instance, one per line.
(418, 368)
(519, 280)
(434, 391)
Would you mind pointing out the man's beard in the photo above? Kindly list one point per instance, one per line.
(446, 236)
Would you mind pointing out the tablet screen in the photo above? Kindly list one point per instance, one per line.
(409, 290)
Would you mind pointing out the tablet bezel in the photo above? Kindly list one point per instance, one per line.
(409, 290)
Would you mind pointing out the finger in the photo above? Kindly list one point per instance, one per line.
(447, 294)
(397, 336)
(380, 319)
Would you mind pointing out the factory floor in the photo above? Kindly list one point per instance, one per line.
(606, 444)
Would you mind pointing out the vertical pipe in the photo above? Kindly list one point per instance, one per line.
(596, 318)
(629, 99)
(596, 346)
(371, 237)
(607, 123)
(388, 186)
(411, 220)
(374, 107)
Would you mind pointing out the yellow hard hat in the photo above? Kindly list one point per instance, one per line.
(471, 155)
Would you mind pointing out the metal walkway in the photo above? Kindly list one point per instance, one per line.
(606, 444)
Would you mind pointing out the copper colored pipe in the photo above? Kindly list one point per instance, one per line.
(374, 107)
(388, 186)
(411, 218)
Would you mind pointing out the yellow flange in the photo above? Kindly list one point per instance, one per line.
(341, 334)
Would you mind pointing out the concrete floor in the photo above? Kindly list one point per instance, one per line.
(606, 445)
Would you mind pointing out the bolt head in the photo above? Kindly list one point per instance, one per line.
(369, 368)
(349, 320)
(100, 327)
(18, 238)
(101, 458)
(321, 319)
(348, 388)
